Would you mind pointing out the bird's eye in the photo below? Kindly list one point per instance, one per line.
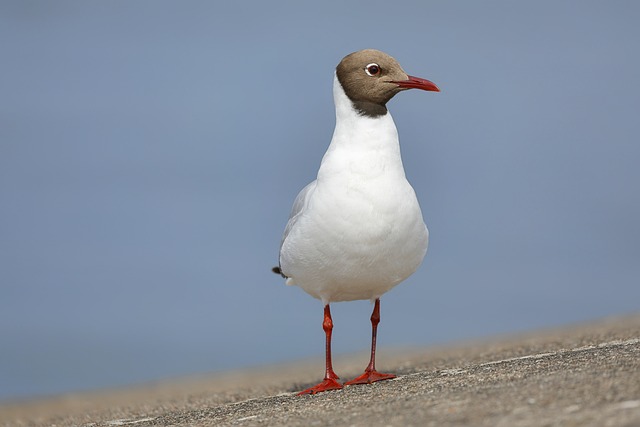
(372, 69)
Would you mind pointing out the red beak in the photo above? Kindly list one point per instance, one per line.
(417, 83)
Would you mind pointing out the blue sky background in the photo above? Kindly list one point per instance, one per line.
(150, 152)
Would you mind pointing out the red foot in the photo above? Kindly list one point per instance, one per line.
(327, 384)
(370, 377)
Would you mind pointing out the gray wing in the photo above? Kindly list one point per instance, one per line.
(301, 201)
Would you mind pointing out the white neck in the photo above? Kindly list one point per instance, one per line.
(360, 142)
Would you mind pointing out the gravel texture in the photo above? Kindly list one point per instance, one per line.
(587, 375)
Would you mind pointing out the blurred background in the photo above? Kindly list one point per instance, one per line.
(150, 152)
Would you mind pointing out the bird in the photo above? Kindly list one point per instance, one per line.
(357, 230)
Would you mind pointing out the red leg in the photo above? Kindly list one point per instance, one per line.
(370, 374)
(330, 378)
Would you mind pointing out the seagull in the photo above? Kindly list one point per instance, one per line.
(357, 230)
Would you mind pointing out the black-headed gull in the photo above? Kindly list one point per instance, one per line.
(357, 230)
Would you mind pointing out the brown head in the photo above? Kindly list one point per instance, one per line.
(370, 78)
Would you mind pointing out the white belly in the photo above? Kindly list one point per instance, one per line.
(356, 242)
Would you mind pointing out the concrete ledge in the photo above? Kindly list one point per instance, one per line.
(587, 375)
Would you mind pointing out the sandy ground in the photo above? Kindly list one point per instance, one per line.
(585, 375)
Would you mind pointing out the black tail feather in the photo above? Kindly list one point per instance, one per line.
(278, 270)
